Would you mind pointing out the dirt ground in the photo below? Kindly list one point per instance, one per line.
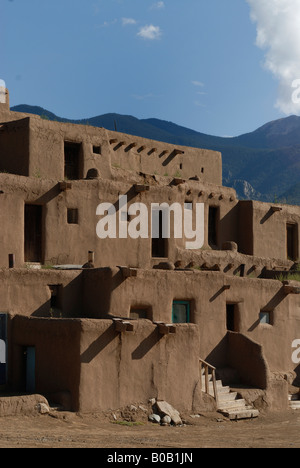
(68, 430)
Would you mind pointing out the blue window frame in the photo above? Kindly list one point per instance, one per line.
(181, 312)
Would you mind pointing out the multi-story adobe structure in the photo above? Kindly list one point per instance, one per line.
(134, 322)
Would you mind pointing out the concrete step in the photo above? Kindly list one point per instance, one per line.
(227, 396)
(235, 415)
(220, 388)
(295, 405)
(232, 404)
(294, 397)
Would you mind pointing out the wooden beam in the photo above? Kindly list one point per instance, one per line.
(276, 208)
(165, 328)
(65, 186)
(122, 326)
(141, 188)
(128, 272)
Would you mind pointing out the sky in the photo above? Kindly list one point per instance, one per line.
(221, 67)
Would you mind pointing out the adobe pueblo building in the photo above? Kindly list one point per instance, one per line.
(101, 323)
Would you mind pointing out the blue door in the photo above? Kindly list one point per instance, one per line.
(3, 343)
(181, 312)
(30, 369)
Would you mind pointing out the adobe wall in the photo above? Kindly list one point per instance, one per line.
(138, 154)
(14, 147)
(27, 293)
(208, 293)
(131, 153)
(267, 231)
(57, 364)
(65, 243)
(102, 369)
(121, 369)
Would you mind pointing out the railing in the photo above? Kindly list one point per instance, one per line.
(207, 367)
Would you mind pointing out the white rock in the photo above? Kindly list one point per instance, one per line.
(155, 418)
(166, 420)
(42, 408)
(165, 408)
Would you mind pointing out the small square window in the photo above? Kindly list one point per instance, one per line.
(266, 318)
(138, 313)
(181, 312)
(97, 149)
(72, 216)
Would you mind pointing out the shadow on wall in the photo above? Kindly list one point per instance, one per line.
(65, 301)
(110, 335)
(271, 305)
(236, 351)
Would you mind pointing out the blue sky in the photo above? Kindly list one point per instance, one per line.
(196, 63)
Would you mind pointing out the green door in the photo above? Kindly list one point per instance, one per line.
(181, 312)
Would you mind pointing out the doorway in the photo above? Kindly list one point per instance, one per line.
(292, 241)
(33, 233)
(72, 160)
(159, 242)
(232, 317)
(29, 368)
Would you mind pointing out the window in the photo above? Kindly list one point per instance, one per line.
(232, 317)
(181, 312)
(212, 226)
(138, 313)
(97, 149)
(72, 216)
(56, 296)
(159, 244)
(292, 241)
(72, 160)
(266, 318)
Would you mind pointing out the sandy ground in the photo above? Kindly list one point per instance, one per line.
(67, 430)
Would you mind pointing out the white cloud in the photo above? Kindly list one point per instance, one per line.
(128, 21)
(150, 32)
(278, 33)
(198, 83)
(158, 6)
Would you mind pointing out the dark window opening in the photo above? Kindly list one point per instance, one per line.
(72, 216)
(181, 166)
(160, 244)
(72, 160)
(232, 317)
(212, 226)
(292, 241)
(202, 170)
(56, 296)
(266, 318)
(138, 313)
(33, 233)
(181, 312)
(97, 149)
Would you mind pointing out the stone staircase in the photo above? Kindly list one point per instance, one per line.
(229, 404)
(294, 401)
